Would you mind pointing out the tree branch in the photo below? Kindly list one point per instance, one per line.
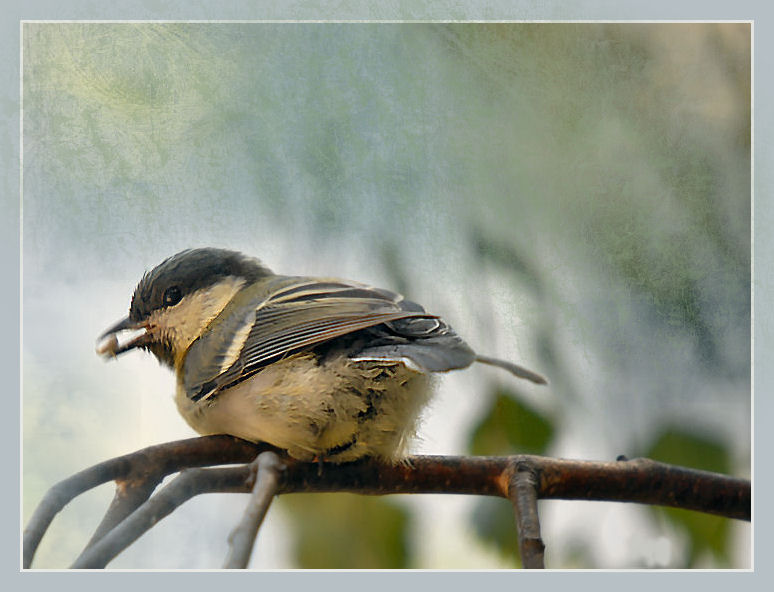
(266, 471)
(523, 493)
(523, 479)
(130, 495)
(189, 483)
(152, 463)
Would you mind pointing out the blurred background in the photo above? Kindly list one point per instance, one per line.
(572, 197)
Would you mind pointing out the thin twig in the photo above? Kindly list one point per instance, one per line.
(523, 494)
(159, 461)
(129, 496)
(266, 470)
(189, 483)
(60, 495)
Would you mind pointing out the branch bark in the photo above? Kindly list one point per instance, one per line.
(266, 470)
(189, 483)
(149, 464)
(523, 479)
(523, 491)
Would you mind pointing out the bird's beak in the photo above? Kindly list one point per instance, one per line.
(121, 337)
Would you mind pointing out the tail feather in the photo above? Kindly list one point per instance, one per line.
(514, 369)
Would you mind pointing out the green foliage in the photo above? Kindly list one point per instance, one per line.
(510, 427)
(346, 531)
(706, 533)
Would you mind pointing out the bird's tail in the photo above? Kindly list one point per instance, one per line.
(514, 369)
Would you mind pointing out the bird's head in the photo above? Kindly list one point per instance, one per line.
(176, 301)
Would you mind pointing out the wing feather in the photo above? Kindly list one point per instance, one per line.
(292, 315)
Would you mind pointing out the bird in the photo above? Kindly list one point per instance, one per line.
(328, 370)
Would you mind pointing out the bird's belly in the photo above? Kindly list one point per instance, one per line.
(337, 409)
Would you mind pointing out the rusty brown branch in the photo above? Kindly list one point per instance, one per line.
(638, 480)
(645, 481)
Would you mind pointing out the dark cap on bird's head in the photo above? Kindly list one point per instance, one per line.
(187, 272)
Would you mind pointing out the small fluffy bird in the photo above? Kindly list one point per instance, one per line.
(327, 369)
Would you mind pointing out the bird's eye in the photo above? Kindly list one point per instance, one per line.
(172, 296)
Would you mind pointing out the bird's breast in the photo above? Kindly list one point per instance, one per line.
(310, 407)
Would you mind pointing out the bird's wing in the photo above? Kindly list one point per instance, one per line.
(293, 315)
